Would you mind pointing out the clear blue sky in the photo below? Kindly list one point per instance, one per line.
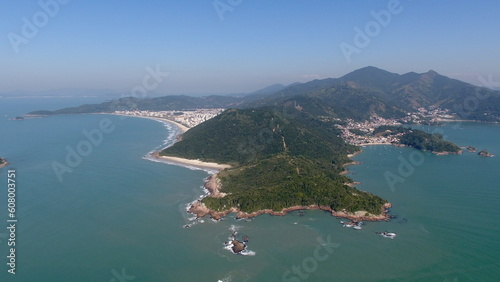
(108, 44)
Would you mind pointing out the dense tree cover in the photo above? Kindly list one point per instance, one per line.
(248, 135)
(281, 157)
(430, 142)
(419, 139)
(284, 181)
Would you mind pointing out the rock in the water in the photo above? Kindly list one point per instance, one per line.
(238, 246)
(484, 153)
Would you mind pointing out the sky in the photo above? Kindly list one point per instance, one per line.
(238, 46)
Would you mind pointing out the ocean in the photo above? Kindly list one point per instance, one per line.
(91, 207)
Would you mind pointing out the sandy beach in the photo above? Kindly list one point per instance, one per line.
(188, 162)
(177, 160)
(213, 185)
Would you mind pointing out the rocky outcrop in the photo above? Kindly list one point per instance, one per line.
(238, 246)
(200, 210)
(484, 153)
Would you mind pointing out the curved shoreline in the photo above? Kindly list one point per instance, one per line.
(189, 162)
(213, 187)
(181, 127)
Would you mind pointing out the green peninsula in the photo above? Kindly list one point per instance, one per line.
(282, 160)
(419, 139)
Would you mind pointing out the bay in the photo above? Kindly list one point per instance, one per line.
(117, 214)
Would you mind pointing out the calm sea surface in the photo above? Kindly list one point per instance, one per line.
(109, 214)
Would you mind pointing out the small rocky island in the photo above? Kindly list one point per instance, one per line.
(484, 153)
(3, 162)
(471, 149)
(236, 245)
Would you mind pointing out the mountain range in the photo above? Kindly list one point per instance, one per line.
(356, 95)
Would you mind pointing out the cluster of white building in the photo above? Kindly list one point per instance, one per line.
(367, 127)
(188, 118)
(428, 115)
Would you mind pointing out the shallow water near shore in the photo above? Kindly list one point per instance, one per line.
(117, 213)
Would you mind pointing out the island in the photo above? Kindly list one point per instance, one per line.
(484, 153)
(471, 149)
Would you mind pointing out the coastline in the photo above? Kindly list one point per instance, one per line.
(400, 145)
(190, 162)
(213, 186)
(201, 210)
(182, 128)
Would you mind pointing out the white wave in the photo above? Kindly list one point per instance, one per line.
(229, 246)
(234, 228)
(247, 252)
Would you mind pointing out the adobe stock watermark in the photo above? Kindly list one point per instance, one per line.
(75, 155)
(362, 37)
(150, 81)
(406, 168)
(94, 137)
(265, 136)
(416, 158)
(310, 264)
(31, 27)
(223, 6)
(121, 276)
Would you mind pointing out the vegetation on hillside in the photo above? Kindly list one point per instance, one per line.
(280, 159)
(285, 181)
(419, 139)
(356, 95)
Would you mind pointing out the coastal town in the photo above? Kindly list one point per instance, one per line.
(188, 118)
(353, 132)
(361, 133)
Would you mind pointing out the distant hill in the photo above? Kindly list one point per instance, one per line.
(267, 90)
(283, 143)
(172, 102)
(372, 90)
(356, 95)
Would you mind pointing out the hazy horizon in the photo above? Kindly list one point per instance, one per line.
(238, 46)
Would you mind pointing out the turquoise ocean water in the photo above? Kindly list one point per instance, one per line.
(118, 216)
